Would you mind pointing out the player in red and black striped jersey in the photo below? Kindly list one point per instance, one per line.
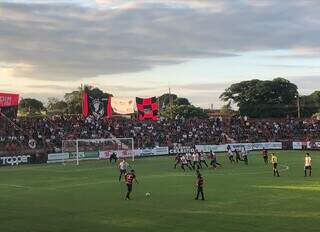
(177, 160)
(265, 155)
(129, 177)
(200, 182)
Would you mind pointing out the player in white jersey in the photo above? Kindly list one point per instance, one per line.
(244, 154)
(202, 159)
(189, 158)
(214, 163)
(307, 164)
(195, 159)
(123, 166)
(184, 163)
(230, 154)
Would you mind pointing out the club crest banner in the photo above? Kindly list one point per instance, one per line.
(96, 107)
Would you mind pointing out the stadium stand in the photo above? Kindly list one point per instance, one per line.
(47, 133)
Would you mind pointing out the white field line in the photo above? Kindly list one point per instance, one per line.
(15, 186)
(284, 168)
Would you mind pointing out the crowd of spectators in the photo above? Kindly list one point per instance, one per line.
(49, 132)
(242, 129)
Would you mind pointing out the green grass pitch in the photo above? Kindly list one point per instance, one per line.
(47, 198)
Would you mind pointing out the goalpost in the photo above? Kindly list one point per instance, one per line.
(94, 149)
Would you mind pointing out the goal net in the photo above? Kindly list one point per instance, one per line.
(93, 149)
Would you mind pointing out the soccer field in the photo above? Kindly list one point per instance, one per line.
(45, 198)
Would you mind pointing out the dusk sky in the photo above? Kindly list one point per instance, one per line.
(143, 47)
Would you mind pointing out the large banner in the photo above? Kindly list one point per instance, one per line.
(122, 106)
(313, 145)
(213, 148)
(297, 145)
(9, 104)
(147, 108)
(306, 145)
(152, 151)
(58, 157)
(120, 154)
(72, 156)
(157, 151)
(248, 146)
(96, 107)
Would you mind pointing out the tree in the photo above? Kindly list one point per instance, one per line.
(167, 111)
(226, 109)
(96, 92)
(185, 111)
(310, 104)
(256, 98)
(74, 102)
(164, 100)
(181, 101)
(56, 106)
(31, 106)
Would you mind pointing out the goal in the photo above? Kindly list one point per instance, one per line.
(94, 149)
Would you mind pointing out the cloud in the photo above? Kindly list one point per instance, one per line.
(291, 66)
(49, 87)
(124, 88)
(306, 84)
(213, 87)
(73, 41)
(217, 5)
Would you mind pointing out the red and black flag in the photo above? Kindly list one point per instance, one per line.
(147, 108)
(96, 107)
(9, 104)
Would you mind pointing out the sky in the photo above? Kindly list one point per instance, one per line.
(144, 47)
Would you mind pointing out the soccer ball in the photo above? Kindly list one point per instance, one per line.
(148, 194)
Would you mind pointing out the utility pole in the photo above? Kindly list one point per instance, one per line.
(170, 103)
(159, 107)
(298, 105)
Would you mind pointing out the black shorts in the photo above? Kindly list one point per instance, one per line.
(307, 168)
(200, 188)
(129, 186)
(123, 172)
(275, 165)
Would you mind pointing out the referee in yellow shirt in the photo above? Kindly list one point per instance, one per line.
(307, 164)
(274, 161)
